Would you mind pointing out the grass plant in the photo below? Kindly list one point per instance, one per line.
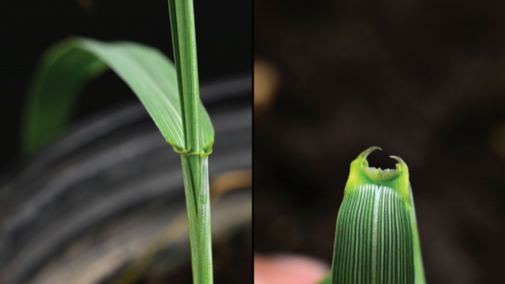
(169, 92)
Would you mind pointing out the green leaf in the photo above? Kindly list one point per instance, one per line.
(68, 66)
(376, 238)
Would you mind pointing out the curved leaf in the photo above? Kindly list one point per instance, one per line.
(68, 66)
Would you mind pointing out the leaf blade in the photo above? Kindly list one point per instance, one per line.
(69, 65)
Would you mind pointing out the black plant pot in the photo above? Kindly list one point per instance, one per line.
(96, 200)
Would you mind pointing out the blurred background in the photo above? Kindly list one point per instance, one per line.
(107, 198)
(424, 80)
(29, 27)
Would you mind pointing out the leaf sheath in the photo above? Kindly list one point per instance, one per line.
(376, 239)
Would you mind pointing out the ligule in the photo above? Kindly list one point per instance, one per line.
(376, 230)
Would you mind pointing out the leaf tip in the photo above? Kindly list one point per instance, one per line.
(367, 152)
(401, 165)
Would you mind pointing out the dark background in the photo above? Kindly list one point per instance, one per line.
(424, 80)
(28, 28)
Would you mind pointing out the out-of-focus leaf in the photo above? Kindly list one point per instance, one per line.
(326, 279)
(69, 65)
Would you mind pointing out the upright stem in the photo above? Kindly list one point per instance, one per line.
(198, 204)
(194, 161)
(184, 40)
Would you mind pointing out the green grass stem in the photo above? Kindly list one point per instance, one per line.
(194, 158)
